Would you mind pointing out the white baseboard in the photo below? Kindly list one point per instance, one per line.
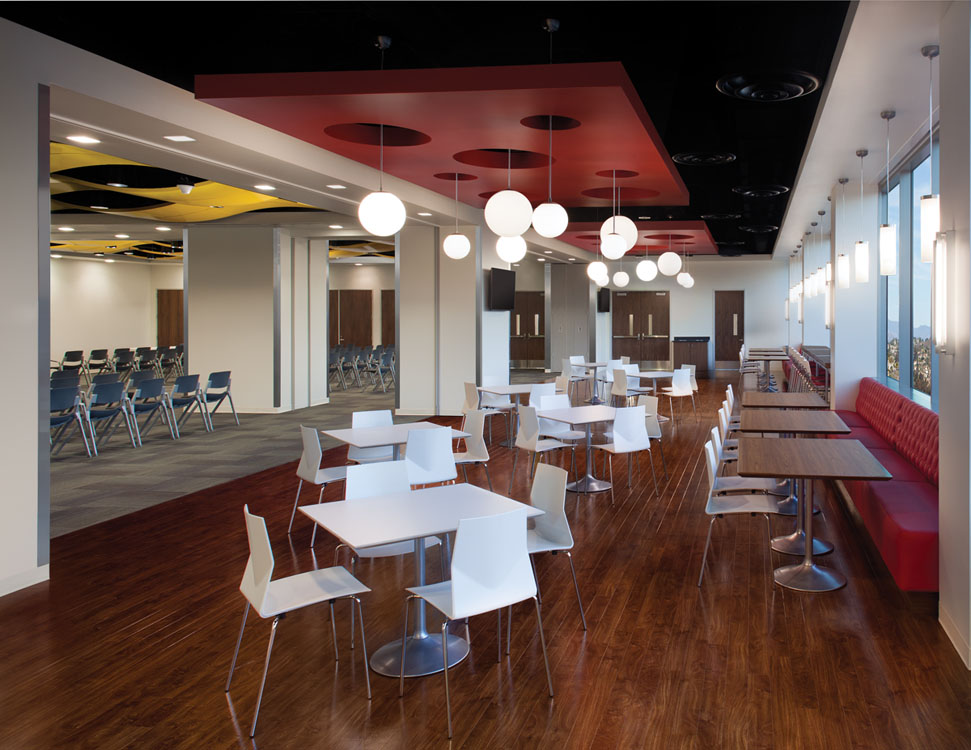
(25, 579)
(957, 638)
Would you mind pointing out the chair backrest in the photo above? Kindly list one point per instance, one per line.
(577, 359)
(538, 390)
(106, 377)
(712, 463)
(494, 399)
(124, 357)
(107, 393)
(648, 402)
(562, 383)
(142, 349)
(548, 493)
(98, 355)
(730, 396)
(376, 418)
(63, 398)
(429, 456)
(612, 364)
(137, 378)
(619, 388)
(149, 389)
(490, 567)
(528, 433)
(471, 398)
(625, 360)
(723, 424)
(475, 446)
(691, 373)
(631, 369)
(65, 378)
(716, 440)
(555, 401)
(218, 380)
(259, 566)
(73, 358)
(681, 382)
(650, 420)
(372, 480)
(630, 429)
(186, 385)
(312, 453)
(121, 350)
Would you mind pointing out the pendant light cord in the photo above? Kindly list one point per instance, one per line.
(381, 151)
(930, 125)
(456, 203)
(613, 207)
(549, 187)
(861, 197)
(509, 169)
(888, 170)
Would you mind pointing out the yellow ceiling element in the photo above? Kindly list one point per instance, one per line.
(111, 247)
(361, 248)
(208, 200)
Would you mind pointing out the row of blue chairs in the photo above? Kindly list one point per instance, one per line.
(363, 366)
(110, 403)
(165, 361)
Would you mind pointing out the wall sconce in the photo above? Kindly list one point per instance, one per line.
(787, 308)
(828, 307)
(939, 291)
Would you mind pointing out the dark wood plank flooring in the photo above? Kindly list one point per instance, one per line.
(129, 643)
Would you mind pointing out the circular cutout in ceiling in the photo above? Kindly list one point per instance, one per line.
(501, 158)
(628, 194)
(488, 194)
(704, 158)
(620, 174)
(759, 228)
(668, 236)
(129, 176)
(588, 237)
(109, 200)
(369, 133)
(542, 122)
(768, 86)
(453, 176)
(760, 191)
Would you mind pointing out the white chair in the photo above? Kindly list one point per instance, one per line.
(562, 384)
(625, 360)
(538, 390)
(621, 388)
(362, 419)
(472, 404)
(733, 421)
(725, 485)
(490, 570)
(528, 439)
(497, 402)
(476, 451)
(723, 505)
(691, 369)
(559, 430)
(653, 424)
(680, 388)
(724, 455)
(429, 456)
(276, 598)
(578, 374)
(607, 379)
(724, 429)
(629, 437)
(309, 469)
(552, 530)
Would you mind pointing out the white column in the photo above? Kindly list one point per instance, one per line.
(494, 324)
(318, 309)
(955, 367)
(456, 324)
(300, 331)
(416, 262)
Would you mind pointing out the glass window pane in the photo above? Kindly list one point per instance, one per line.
(893, 296)
(920, 287)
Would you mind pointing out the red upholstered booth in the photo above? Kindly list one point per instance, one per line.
(901, 515)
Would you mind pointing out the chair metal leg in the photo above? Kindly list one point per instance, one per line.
(512, 474)
(239, 640)
(704, 557)
(266, 667)
(465, 474)
(650, 455)
(360, 615)
(404, 641)
(610, 464)
(508, 630)
(499, 635)
(333, 627)
(294, 512)
(542, 640)
(485, 465)
(576, 586)
(313, 537)
(448, 698)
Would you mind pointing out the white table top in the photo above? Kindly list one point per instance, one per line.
(579, 414)
(589, 365)
(517, 389)
(375, 437)
(655, 374)
(402, 516)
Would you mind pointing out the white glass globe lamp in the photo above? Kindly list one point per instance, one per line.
(669, 263)
(508, 213)
(683, 278)
(621, 279)
(456, 246)
(511, 249)
(623, 226)
(613, 247)
(689, 282)
(382, 214)
(597, 270)
(646, 270)
(550, 220)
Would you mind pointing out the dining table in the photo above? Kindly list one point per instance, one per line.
(412, 516)
(765, 358)
(652, 375)
(784, 400)
(515, 390)
(587, 416)
(813, 460)
(378, 437)
(595, 400)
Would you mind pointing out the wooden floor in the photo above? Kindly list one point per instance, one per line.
(129, 643)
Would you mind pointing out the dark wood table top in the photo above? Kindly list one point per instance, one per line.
(767, 357)
(803, 422)
(764, 400)
(807, 458)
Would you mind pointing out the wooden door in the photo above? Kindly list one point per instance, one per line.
(519, 328)
(729, 326)
(536, 328)
(170, 328)
(626, 317)
(387, 317)
(351, 314)
(656, 329)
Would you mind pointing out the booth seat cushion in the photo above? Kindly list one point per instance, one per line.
(852, 419)
(869, 437)
(904, 527)
(899, 467)
(880, 407)
(916, 438)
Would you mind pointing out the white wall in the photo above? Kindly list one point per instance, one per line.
(416, 257)
(569, 327)
(456, 327)
(530, 275)
(372, 276)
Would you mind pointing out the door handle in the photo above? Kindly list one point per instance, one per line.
(536, 323)
(517, 324)
(734, 324)
(650, 324)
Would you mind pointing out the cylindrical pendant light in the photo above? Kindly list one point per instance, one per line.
(843, 271)
(888, 231)
(861, 250)
(930, 205)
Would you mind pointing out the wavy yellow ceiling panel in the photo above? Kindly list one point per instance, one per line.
(111, 247)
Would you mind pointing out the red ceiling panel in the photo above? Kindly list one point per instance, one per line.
(654, 237)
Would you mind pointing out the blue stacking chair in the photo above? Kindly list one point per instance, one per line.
(66, 417)
(217, 391)
(186, 395)
(107, 403)
(149, 401)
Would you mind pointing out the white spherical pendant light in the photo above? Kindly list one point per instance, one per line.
(624, 227)
(382, 213)
(597, 270)
(456, 246)
(621, 279)
(613, 247)
(669, 263)
(550, 219)
(646, 270)
(511, 249)
(508, 213)
(683, 278)
(689, 282)
(601, 281)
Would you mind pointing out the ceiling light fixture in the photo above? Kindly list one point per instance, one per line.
(179, 138)
(646, 270)
(185, 186)
(335, 226)
(56, 255)
(424, 213)
(508, 213)
(85, 139)
(861, 250)
(117, 184)
(264, 187)
(163, 229)
(888, 231)
(100, 208)
(122, 236)
(511, 249)
(618, 234)
(65, 229)
(843, 260)
(336, 187)
(930, 205)
(358, 264)
(109, 260)
(456, 246)
(550, 219)
(670, 262)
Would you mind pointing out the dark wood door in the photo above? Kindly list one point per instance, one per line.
(729, 325)
(626, 317)
(170, 328)
(536, 327)
(387, 317)
(519, 327)
(656, 328)
(350, 311)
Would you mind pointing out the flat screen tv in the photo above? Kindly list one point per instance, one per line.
(502, 289)
(603, 300)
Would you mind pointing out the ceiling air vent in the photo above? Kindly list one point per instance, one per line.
(770, 86)
(704, 158)
(760, 191)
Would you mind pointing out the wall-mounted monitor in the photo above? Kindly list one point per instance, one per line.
(603, 300)
(502, 289)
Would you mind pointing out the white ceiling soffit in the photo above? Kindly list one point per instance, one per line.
(879, 67)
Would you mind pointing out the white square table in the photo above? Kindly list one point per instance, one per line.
(595, 401)
(404, 516)
(587, 416)
(652, 375)
(515, 390)
(377, 437)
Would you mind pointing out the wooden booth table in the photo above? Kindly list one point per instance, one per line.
(766, 400)
(378, 437)
(811, 459)
(405, 516)
(765, 359)
(586, 416)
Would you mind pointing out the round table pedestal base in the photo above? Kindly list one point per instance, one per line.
(423, 656)
(795, 544)
(588, 484)
(790, 507)
(808, 577)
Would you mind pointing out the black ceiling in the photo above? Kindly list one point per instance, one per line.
(674, 52)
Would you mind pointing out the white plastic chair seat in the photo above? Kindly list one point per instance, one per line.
(439, 595)
(548, 444)
(610, 448)
(750, 484)
(536, 543)
(392, 550)
(722, 504)
(330, 474)
(302, 590)
(372, 459)
(569, 435)
(730, 444)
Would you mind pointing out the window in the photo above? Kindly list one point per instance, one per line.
(920, 305)
(893, 297)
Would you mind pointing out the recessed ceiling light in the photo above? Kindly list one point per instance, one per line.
(335, 226)
(110, 247)
(424, 213)
(179, 138)
(358, 264)
(264, 187)
(117, 184)
(541, 260)
(122, 236)
(99, 255)
(83, 139)
(100, 208)
(337, 187)
(644, 218)
(65, 229)
(109, 260)
(163, 229)
(547, 252)
(55, 255)
(571, 259)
